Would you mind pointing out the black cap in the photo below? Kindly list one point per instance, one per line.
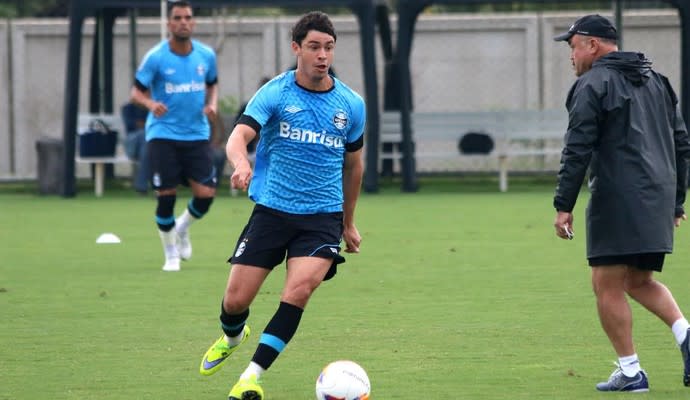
(590, 25)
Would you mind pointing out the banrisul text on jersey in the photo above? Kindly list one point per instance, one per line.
(307, 136)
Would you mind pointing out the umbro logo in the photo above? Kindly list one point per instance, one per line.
(169, 71)
(292, 109)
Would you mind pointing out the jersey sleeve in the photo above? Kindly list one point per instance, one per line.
(359, 117)
(147, 69)
(262, 105)
(212, 76)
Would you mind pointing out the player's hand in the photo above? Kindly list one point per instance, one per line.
(158, 109)
(676, 220)
(241, 177)
(210, 112)
(564, 225)
(352, 239)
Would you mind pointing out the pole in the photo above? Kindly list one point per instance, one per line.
(164, 12)
(101, 61)
(618, 12)
(133, 58)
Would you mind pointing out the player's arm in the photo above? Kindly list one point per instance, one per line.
(682, 146)
(211, 99)
(141, 95)
(211, 105)
(353, 169)
(236, 152)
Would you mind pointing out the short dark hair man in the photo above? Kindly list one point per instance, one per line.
(305, 182)
(177, 82)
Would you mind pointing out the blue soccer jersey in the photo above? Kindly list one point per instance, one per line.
(300, 155)
(179, 82)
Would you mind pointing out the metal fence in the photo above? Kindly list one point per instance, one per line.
(460, 63)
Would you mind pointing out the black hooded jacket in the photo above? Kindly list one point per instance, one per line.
(626, 126)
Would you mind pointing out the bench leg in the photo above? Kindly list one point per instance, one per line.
(503, 173)
(99, 172)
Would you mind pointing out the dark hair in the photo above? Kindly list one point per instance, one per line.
(172, 4)
(312, 21)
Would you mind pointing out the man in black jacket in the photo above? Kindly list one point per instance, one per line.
(626, 126)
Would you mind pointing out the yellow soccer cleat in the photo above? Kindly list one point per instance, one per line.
(218, 353)
(246, 389)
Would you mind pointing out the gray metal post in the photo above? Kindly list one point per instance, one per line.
(618, 12)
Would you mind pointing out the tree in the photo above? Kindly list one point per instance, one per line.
(34, 8)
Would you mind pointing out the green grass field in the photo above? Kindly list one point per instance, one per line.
(460, 292)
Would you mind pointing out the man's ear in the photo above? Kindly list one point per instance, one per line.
(591, 45)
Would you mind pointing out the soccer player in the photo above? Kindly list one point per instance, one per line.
(626, 127)
(177, 83)
(305, 183)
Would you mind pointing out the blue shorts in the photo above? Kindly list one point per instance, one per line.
(173, 162)
(271, 235)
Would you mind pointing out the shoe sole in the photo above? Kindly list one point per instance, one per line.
(248, 395)
(624, 391)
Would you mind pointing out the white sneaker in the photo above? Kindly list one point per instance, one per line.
(171, 265)
(184, 244)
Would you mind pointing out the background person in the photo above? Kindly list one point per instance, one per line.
(134, 118)
(626, 126)
(177, 83)
(305, 184)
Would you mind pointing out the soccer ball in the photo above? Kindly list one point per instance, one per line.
(343, 380)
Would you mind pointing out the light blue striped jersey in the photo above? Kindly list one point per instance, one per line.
(179, 82)
(300, 155)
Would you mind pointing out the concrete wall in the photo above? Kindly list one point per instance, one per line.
(459, 63)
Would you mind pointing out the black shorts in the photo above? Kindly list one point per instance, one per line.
(271, 235)
(643, 261)
(172, 162)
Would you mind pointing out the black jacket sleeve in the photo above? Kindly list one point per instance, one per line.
(584, 109)
(682, 149)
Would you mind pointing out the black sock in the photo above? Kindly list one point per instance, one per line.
(277, 334)
(164, 212)
(232, 325)
(198, 207)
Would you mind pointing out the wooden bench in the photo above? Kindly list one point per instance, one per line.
(114, 122)
(515, 134)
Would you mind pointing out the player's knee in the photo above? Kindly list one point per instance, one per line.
(299, 295)
(234, 304)
(636, 284)
(202, 191)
